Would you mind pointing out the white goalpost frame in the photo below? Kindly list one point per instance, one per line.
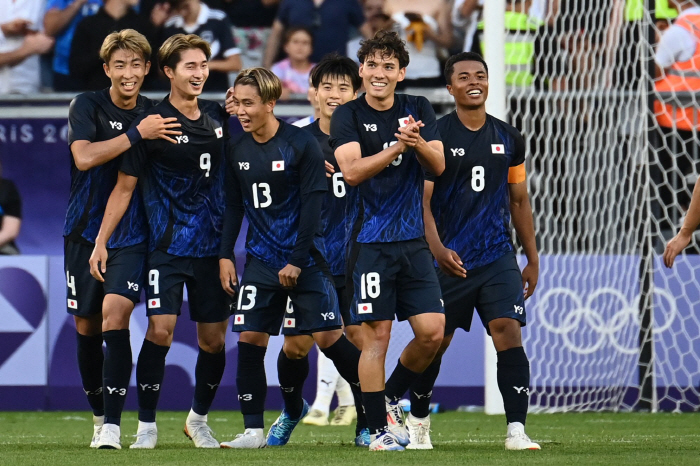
(494, 38)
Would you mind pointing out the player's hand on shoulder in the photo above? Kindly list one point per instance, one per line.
(98, 262)
(674, 247)
(157, 127)
(531, 274)
(227, 275)
(450, 263)
(289, 275)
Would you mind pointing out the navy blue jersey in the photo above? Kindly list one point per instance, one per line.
(269, 180)
(470, 202)
(333, 213)
(182, 184)
(94, 117)
(391, 202)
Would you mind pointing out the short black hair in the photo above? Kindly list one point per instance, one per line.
(388, 43)
(336, 66)
(462, 56)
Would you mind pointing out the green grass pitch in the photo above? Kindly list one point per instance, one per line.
(59, 438)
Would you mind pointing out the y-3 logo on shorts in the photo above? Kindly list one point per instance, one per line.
(132, 286)
(328, 315)
(518, 309)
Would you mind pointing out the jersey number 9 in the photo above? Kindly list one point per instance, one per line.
(205, 163)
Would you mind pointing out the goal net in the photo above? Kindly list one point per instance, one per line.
(610, 180)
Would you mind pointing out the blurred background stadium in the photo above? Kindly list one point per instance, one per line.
(612, 161)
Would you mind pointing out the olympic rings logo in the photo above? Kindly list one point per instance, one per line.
(582, 318)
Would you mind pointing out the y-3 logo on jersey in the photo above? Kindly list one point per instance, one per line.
(182, 139)
(116, 125)
(458, 151)
(243, 165)
(372, 127)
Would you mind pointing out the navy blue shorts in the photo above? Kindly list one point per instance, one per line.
(343, 303)
(263, 302)
(124, 277)
(169, 274)
(394, 280)
(495, 290)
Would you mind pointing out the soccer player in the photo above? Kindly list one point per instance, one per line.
(467, 214)
(97, 135)
(182, 189)
(334, 82)
(275, 177)
(381, 141)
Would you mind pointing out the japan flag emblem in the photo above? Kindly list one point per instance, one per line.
(239, 320)
(154, 303)
(72, 304)
(290, 322)
(278, 166)
(498, 149)
(219, 132)
(403, 122)
(364, 308)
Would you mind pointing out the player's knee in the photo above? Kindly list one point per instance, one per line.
(431, 339)
(212, 345)
(294, 352)
(159, 335)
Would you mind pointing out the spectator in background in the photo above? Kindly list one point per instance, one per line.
(294, 70)
(85, 64)
(426, 27)
(330, 21)
(311, 97)
(195, 17)
(60, 21)
(375, 20)
(252, 22)
(20, 46)
(10, 216)
(465, 20)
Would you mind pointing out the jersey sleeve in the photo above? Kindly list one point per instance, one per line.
(312, 172)
(343, 127)
(235, 209)
(516, 172)
(13, 207)
(430, 131)
(135, 158)
(81, 120)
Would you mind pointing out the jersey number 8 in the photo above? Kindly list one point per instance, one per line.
(478, 180)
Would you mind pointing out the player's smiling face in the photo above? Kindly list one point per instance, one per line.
(252, 112)
(333, 92)
(126, 70)
(469, 84)
(380, 75)
(190, 73)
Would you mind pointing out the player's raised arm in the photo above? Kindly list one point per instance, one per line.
(448, 260)
(423, 137)
(114, 211)
(692, 219)
(345, 139)
(233, 219)
(521, 215)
